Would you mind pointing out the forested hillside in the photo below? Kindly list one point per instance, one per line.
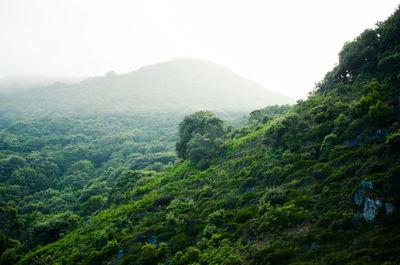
(315, 183)
(17, 83)
(179, 85)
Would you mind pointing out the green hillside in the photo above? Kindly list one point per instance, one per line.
(316, 183)
(179, 85)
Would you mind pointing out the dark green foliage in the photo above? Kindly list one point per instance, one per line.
(245, 214)
(191, 255)
(3, 242)
(393, 140)
(197, 137)
(327, 145)
(341, 124)
(359, 56)
(177, 86)
(292, 187)
(285, 132)
(390, 64)
(273, 195)
(381, 114)
(13, 253)
(274, 255)
(200, 149)
(366, 102)
(124, 183)
(54, 226)
(265, 114)
(10, 223)
(93, 204)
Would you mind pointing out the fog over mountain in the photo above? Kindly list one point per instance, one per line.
(182, 84)
(186, 162)
(17, 83)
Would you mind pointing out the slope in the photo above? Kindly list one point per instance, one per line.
(180, 85)
(318, 184)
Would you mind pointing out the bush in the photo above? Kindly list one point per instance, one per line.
(381, 114)
(50, 229)
(111, 248)
(180, 241)
(327, 146)
(365, 102)
(93, 204)
(274, 255)
(272, 195)
(217, 218)
(341, 124)
(245, 214)
(279, 217)
(284, 132)
(393, 140)
(190, 256)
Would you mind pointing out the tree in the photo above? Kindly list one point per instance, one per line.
(10, 224)
(341, 123)
(93, 204)
(365, 102)
(359, 56)
(327, 146)
(53, 226)
(200, 148)
(381, 114)
(198, 132)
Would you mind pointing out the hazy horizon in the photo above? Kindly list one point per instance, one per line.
(180, 86)
(265, 42)
(22, 81)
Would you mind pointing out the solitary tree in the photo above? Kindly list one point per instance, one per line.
(197, 134)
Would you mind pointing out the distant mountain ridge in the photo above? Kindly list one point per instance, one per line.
(183, 85)
(17, 83)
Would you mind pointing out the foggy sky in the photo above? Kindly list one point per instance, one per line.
(286, 46)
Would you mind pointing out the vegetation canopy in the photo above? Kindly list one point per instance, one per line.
(313, 183)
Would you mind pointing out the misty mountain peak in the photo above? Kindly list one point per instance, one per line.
(181, 84)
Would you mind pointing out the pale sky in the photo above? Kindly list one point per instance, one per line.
(286, 46)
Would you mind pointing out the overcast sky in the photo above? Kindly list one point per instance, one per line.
(286, 46)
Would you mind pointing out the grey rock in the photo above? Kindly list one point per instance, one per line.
(120, 253)
(358, 196)
(358, 214)
(310, 247)
(371, 209)
(367, 185)
(390, 208)
(313, 246)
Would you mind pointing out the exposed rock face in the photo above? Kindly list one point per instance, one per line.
(358, 196)
(371, 209)
(120, 253)
(367, 185)
(390, 208)
(371, 205)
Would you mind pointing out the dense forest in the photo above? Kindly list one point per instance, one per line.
(313, 183)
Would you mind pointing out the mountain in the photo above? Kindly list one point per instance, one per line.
(313, 183)
(180, 85)
(17, 83)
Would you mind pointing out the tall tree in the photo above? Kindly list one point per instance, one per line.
(201, 124)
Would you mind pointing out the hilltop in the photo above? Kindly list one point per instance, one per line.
(313, 183)
(180, 85)
(17, 83)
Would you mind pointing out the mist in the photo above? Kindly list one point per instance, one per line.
(265, 42)
(199, 132)
(182, 85)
